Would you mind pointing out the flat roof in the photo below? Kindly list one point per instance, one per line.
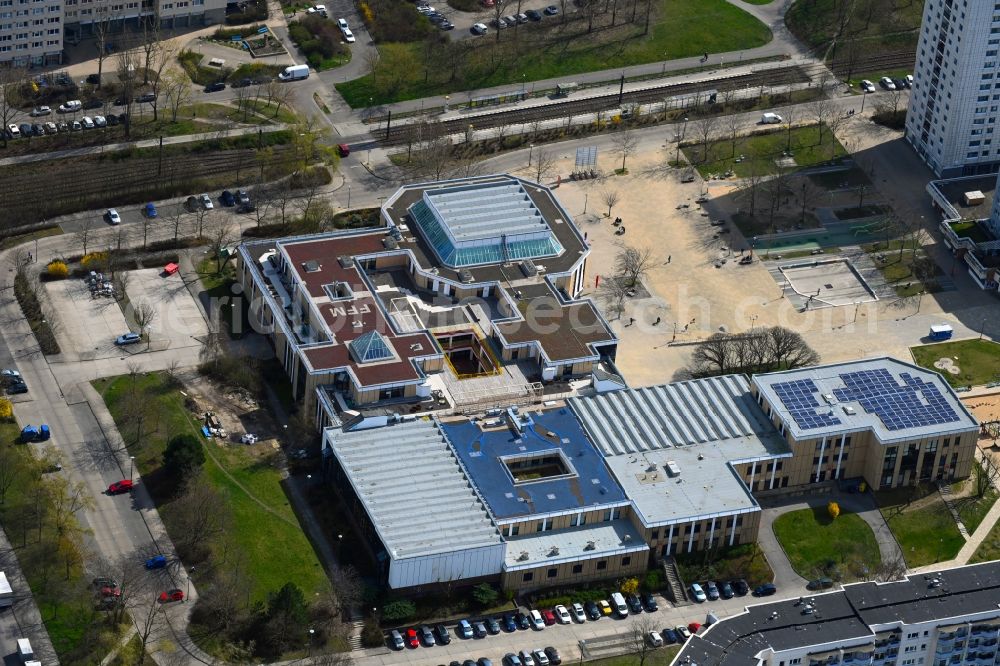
(403, 471)
(954, 189)
(564, 330)
(853, 616)
(897, 400)
(486, 211)
(487, 454)
(607, 539)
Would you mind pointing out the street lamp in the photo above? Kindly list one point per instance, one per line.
(188, 593)
(531, 147)
(680, 137)
(447, 98)
(348, 196)
(312, 635)
(131, 464)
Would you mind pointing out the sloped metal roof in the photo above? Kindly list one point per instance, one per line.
(413, 489)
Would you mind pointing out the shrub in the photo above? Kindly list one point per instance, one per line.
(371, 634)
(183, 454)
(313, 176)
(398, 611)
(485, 594)
(833, 509)
(318, 39)
(225, 34)
(57, 270)
(95, 261)
(653, 580)
(630, 586)
(6, 410)
(393, 21)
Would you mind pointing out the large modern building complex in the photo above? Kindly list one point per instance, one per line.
(955, 103)
(943, 618)
(607, 484)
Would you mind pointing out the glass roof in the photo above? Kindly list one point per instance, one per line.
(370, 346)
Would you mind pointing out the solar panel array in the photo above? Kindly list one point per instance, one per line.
(898, 406)
(799, 399)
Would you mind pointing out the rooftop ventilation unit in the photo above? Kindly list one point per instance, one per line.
(311, 266)
(389, 243)
(528, 268)
(849, 410)
(627, 538)
(396, 233)
(523, 557)
(590, 546)
(346, 261)
(554, 551)
(673, 469)
(829, 398)
(465, 276)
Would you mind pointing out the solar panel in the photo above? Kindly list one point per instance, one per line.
(799, 398)
(912, 404)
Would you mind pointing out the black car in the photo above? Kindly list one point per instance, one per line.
(479, 629)
(446, 25)
(468, 662)
(441, 632)
(215, 87)
(511, 659)
(426, 636)
(25, 129)
(648, 602)
(765, 590)
(17, 387)
(112, 119)
(726, 590)
(820, 584)
(93, 103)
(227, 198)
(634, 604)
(534, 14)
(553, 655)
(900, 84)
(551, 10)
(740, 586)
(509, 624)
(243, 83)
(522, 620)
(592, 611)
(483, 661)
(37, 129)
(243, 202)
(119, 101)
(94, 79)
(145, 98)
(492, 625)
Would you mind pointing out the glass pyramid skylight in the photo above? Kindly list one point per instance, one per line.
(370, 346)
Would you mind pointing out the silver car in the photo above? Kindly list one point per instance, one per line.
(205, 201)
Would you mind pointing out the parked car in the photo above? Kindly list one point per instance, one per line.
(682, 633)
(522, 620)
(541, 658)
(93, 79)
(128, 339)
(593, 612)
(71, 106)
(562, 615)
(820, 584)
(175, 594)
(442, 635)
(765, 590)
(40, 111)
(670, 636)
(712, 590)
(887, 83)
(634, 603)
(348, 35)
(526, 658)
(410, 636)
(150, 210)
(740, 586)
(63, 127)
(551, 10)
(508, 622)
(648, 602)
(537, 622)
(107, 587)
(426, 636)
(93, 103)
(693, 627)
(343, 150)
(215, 87)
(26, 129)
(100, 121)
(483, 661)
(13, 131)
(227, 199)
(75, 126)
(909, 80)
(553, 654)
(396, 640)
(576, 610)
(511, 659)
(17, 387)
(146, 98)
(446, 25)
(726, 590)
(698, 593)
(492, 625)
(243, 203)
(112, 216)
(521, 18)
(37, 129)
(479, 29)
(534, 14)
(549, 617)
(30, 433)
(205, 201)
(605, 607)
(654, 639)
(867, 86)
(156, 562)
(899, 83)
(463, 629)
(119, 487)
(479, 629)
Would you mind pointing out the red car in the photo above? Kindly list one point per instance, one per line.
(343, 149)
(411, 638)
(694, 627)
(171, 595)
(123, 486)
(549, 617)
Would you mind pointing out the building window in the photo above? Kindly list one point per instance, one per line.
(514, 530)
(526, 578)
(626, 561)
(551, 573)
(602, 565)
(577, 568)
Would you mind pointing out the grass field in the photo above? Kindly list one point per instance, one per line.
(760, 150)
(657, 657)
(261, 516)
(978, 361)
(875, 27)
(925, 530)
(816, 543)
(553, 49)
(973, 508)
(990, 548)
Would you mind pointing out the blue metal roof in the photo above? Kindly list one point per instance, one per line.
(590, 485)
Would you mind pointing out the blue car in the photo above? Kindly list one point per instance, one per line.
(156, 562)
(32, 433)
(150, 210)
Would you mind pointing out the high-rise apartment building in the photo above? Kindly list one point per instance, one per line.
(955, 102)
(31, 32)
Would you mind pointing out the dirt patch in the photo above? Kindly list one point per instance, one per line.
(238, 413)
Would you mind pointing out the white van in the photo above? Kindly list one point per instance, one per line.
(771, 119)
(618, 601)
(294, 73)
(72, 106)
(24, 650)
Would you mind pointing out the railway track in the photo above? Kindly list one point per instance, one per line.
(402, 134)
(881, 61)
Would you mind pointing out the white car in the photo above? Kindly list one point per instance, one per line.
(562, 615)
(577, 611)
(887, 83)
(479, 29)
(113, 216)
(88, 122)
(14, 131)
(205, 201)
(867, 86)
(348, 35)
(100, 121)
(41, 111)
(909, 80)
(537, 623)
(342, 24)
(698, 593)
(655, 639)
(425, 9)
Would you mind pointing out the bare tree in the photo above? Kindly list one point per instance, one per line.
(102, 27)
(200, 214)
(610, 198)
(704, 128)
(760, 350)
(735, 124)
(11, 98)
(145, 314)
(201, 515)
(177, 220)
(221, 233)
(820, 111)
(789, 115)
(545, 163)
(633, 264)
(84, 234)
(638, 639)
(612, 292)
(128, 62)
(626, 141)
(176, 87)
(121, 284)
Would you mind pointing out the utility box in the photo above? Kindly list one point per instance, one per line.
(941, 332)
(973, 198)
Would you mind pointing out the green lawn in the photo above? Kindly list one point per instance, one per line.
(264, 527)
(553, 49)
(926, 534)
(657, 657)
(817, 544)
(990, 548)
(12, 241)
(760, 150)
(978, 361)
(970, 229)
(877, 28)
(973, 509)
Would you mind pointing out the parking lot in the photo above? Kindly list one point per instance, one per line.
(86, 326)
(178, 321)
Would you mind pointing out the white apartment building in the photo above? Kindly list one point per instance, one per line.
(955, 103)
(81, 15)
(31, 32)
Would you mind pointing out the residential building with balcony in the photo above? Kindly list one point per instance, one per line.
(31, 33)
(944, 618)
(970, 226)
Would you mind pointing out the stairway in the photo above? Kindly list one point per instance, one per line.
(675, 591)
(355, 640)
